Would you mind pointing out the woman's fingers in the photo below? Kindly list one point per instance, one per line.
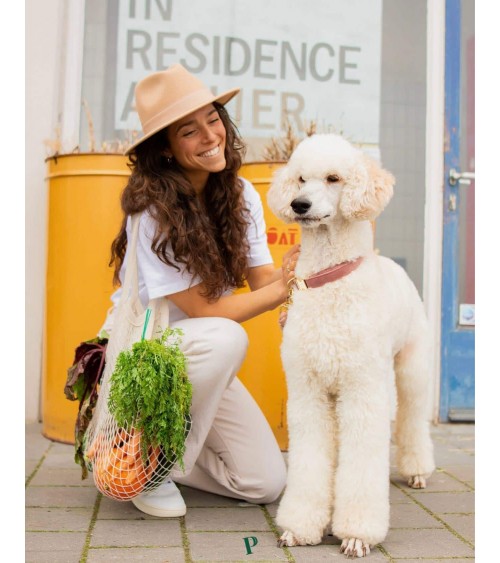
(290, 259)
(290, 252)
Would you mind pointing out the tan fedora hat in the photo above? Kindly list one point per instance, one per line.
(164, 97)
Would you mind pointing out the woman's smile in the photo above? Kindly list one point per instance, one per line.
(212, 152)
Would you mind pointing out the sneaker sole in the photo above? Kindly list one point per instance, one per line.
(161, 513)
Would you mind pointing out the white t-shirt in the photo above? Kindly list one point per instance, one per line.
(157, 279)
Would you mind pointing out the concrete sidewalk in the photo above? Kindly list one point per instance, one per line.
(68, 521)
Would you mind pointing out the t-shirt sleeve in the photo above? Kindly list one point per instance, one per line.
(259, 253)
(159, 279)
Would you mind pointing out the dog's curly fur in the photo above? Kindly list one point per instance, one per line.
(343, 344)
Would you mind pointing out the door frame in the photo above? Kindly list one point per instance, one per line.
(457, 344)
(434, 173)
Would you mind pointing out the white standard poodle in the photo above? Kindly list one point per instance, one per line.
(356, 321)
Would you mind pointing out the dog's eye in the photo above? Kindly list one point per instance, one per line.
(332, 178)
(301, 180)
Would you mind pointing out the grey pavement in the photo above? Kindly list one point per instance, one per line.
(69, 521)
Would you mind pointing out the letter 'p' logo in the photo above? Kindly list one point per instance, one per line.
(249, 545)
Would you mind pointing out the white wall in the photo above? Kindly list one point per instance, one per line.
(43, 29)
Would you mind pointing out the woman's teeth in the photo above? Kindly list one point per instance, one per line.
(211, 152)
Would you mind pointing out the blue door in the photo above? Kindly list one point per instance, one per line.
(458, 288)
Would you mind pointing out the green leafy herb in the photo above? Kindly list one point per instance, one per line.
(150, 391)
(82, 385)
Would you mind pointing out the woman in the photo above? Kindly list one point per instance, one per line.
(201, 235)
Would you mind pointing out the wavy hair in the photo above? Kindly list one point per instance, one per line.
(208, 236)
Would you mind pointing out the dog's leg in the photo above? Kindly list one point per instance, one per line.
(305, 509)
(414, 456)
(361, 514)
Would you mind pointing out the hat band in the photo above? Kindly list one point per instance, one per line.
(178, 109)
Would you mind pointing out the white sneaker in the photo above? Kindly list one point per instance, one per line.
(165, 501)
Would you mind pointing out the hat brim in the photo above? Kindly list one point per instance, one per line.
(222, 99)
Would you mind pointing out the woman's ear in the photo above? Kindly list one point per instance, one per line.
(368, 189)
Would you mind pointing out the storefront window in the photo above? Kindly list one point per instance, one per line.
(357, 68)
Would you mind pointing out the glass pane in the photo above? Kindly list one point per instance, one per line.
(400, 228)
(467, 164)
(357, 67)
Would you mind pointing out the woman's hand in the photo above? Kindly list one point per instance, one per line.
(289, 263)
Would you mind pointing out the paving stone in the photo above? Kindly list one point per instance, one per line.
(226, 519)
(29, 467)
(125, 533)
(56, 493)
(61, 477)
(60, 496)
(425, 544)
(52, 557)
(396, 495)
(464, 524)
(328, 550)
(448, 503)
(59, 460)
(440, 560)
(151, 555)
(36, 446)
(58, 519)
(440, 481)
(31, 428)
(411, 516)
(55, 541)
(445, 457)
(230, 546)
(110, 509)
(60, 448)
(464, 473)
(196, 498)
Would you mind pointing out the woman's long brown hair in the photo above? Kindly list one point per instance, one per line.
(209, 237)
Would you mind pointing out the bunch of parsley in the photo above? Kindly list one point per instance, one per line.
(150, 391)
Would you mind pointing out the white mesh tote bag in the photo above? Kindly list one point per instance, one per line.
(128, 458)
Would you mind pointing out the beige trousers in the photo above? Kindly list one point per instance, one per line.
(231, 449)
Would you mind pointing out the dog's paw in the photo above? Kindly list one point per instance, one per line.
(288, 539)
(417, 482)
(352, 547)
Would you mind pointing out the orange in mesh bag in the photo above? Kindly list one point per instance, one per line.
(121, 470)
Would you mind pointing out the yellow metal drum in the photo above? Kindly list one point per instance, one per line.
(262, 372)
(84, 217)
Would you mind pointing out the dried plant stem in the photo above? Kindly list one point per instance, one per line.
(90, 125)
(282, 147)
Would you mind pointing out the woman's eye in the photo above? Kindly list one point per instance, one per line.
(332, 178)
(215, 120)
(188, 133)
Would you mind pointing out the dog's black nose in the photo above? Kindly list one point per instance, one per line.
(300, 205)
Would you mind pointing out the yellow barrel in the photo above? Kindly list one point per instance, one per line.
(262, 371)
(83, 218)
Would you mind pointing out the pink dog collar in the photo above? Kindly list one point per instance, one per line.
(326, 276)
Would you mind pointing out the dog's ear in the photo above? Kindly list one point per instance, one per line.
(280, 194)
(368, 189)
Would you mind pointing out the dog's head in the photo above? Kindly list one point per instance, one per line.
(327, 178)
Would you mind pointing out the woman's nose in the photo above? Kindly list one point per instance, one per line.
(208, 134)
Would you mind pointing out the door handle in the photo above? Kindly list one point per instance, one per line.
(464, 178)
